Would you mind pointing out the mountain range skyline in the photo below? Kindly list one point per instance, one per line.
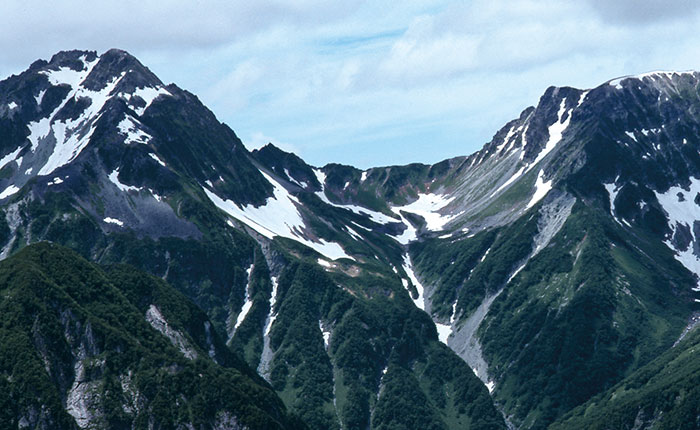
(434, 78)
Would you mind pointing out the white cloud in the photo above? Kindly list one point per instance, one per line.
(368, 83)
(424, 51)
(644, 12)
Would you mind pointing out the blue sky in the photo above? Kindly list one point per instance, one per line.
(366, 83)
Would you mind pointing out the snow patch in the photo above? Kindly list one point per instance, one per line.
(363, 177)
(266, 356)
(130, 128)
(279, 216)
(354, 234)
(408, 268)
(114, 221)
(71, 136)
(248, 300)
(376, 217)
(428, 206)
(155, 157)
(273, 300)
(444, 332)
(683, 212)
(40, 97)
(612, 190)
(291, 179)
(114, 178)
(12, 156)
(556, 131)
(325, 333)
(55, 181)
(542, 187)
(148, 95)
(7, 192)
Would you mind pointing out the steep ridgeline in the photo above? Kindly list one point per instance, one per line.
(312, 290)
(91, 347)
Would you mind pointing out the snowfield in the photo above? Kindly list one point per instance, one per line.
(279, 216)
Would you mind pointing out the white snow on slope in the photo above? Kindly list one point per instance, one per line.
(408, 268)
(248, 301)
(149, 94)
(71, 136)
(12, 106)
(155, 157)
(510, 180)
(427, 206)
(130, 128)
(267, 354)
(40, 97)
(40, 129)
(12, 156)
(7, 192)
(377, 217)
(273, 300)
(542, 187)
(408, 235)
(613, 190)
(325, 333)
(278, 217)
(68, 76)
(292, 180)
(654, 74)
(114, 221)
(354, 234)
(158, 322)
(114, 177)
(444, 332)
(556, 131)
(684, 212)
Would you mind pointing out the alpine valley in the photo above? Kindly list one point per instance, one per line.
(156, 274)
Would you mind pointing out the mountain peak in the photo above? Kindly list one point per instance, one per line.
(73, 59)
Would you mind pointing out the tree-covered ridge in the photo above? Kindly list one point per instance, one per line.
(587, 309)
(664, 394)
(77, 347)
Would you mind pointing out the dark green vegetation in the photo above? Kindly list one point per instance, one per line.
(583, 313)
(71, 327)
(665, 394)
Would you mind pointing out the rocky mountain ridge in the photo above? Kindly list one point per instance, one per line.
(554, 262)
